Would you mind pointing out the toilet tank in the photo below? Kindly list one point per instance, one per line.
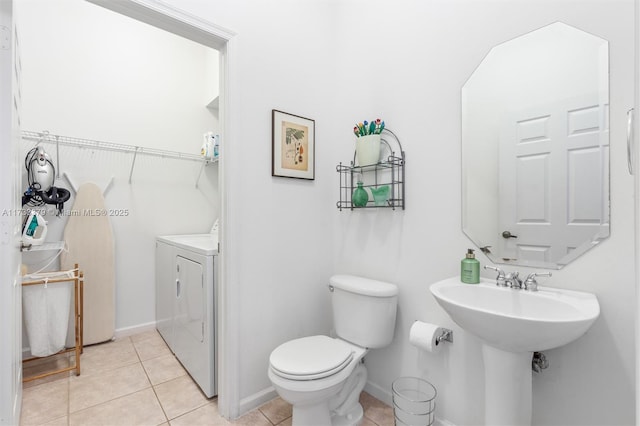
(364, 310)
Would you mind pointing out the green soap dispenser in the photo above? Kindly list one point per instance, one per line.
(470, 268)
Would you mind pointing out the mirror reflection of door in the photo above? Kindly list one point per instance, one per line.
(551, 178)
(535, 148)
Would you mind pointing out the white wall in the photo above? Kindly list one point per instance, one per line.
(91, 73)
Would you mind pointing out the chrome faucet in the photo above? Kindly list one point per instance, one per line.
(500, 278)
(513, 280)
(531, 284)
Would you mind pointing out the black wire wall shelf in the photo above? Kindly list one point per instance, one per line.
(388, 171)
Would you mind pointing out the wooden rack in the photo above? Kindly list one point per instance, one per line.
(78, 285)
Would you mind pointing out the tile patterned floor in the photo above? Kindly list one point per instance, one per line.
(137, 381)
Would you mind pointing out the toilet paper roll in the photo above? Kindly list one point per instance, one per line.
(425, 336)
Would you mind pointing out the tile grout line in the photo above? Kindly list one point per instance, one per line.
(266, 417)
(188, 412)
(117, 397)
(155, 394)
(151, 385)
(153, 388)
(110, 400)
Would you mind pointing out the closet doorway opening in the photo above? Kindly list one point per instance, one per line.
(207, 35)
(178, 22)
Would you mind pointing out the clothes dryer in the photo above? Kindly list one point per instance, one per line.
(186, 267)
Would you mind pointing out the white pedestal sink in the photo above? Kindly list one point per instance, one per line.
(513, 324)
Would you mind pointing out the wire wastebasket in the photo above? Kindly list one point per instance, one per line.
(414, 402)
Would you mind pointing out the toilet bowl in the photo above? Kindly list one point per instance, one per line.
(321, 376)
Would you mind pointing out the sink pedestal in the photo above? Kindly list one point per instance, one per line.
(508, 387)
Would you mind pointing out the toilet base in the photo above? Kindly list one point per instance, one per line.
(352, 418)
(316, 414)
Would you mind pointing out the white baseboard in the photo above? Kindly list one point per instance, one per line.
(257, 399)
(130, 331)
(379, 393)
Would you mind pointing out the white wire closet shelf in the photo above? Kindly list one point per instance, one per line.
(46, 137)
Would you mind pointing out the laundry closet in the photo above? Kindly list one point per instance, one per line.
(124, 105)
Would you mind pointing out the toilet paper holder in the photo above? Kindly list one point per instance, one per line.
(428, 337)
(446, 336)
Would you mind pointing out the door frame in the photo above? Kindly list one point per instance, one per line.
(633, 145)
(194, 28)
(10, 219)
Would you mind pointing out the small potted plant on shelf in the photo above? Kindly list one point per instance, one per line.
(368, 141)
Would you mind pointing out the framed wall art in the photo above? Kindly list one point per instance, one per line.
(293, 150)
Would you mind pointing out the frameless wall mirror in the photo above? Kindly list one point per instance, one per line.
(535, 148)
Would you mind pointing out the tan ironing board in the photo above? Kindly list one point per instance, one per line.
(89, 240)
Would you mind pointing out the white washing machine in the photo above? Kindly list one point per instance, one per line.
(186, 267)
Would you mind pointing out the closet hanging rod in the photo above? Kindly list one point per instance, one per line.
(46, 137)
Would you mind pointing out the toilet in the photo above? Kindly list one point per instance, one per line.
(321, 376)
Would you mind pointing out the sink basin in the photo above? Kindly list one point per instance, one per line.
(517, 320)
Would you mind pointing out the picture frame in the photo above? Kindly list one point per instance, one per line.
(293, 146)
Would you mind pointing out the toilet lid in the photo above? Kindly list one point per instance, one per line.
(310, 358)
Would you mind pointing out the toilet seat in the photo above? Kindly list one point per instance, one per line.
(311, 358)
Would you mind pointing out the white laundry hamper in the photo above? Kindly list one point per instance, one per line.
(46, 313)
